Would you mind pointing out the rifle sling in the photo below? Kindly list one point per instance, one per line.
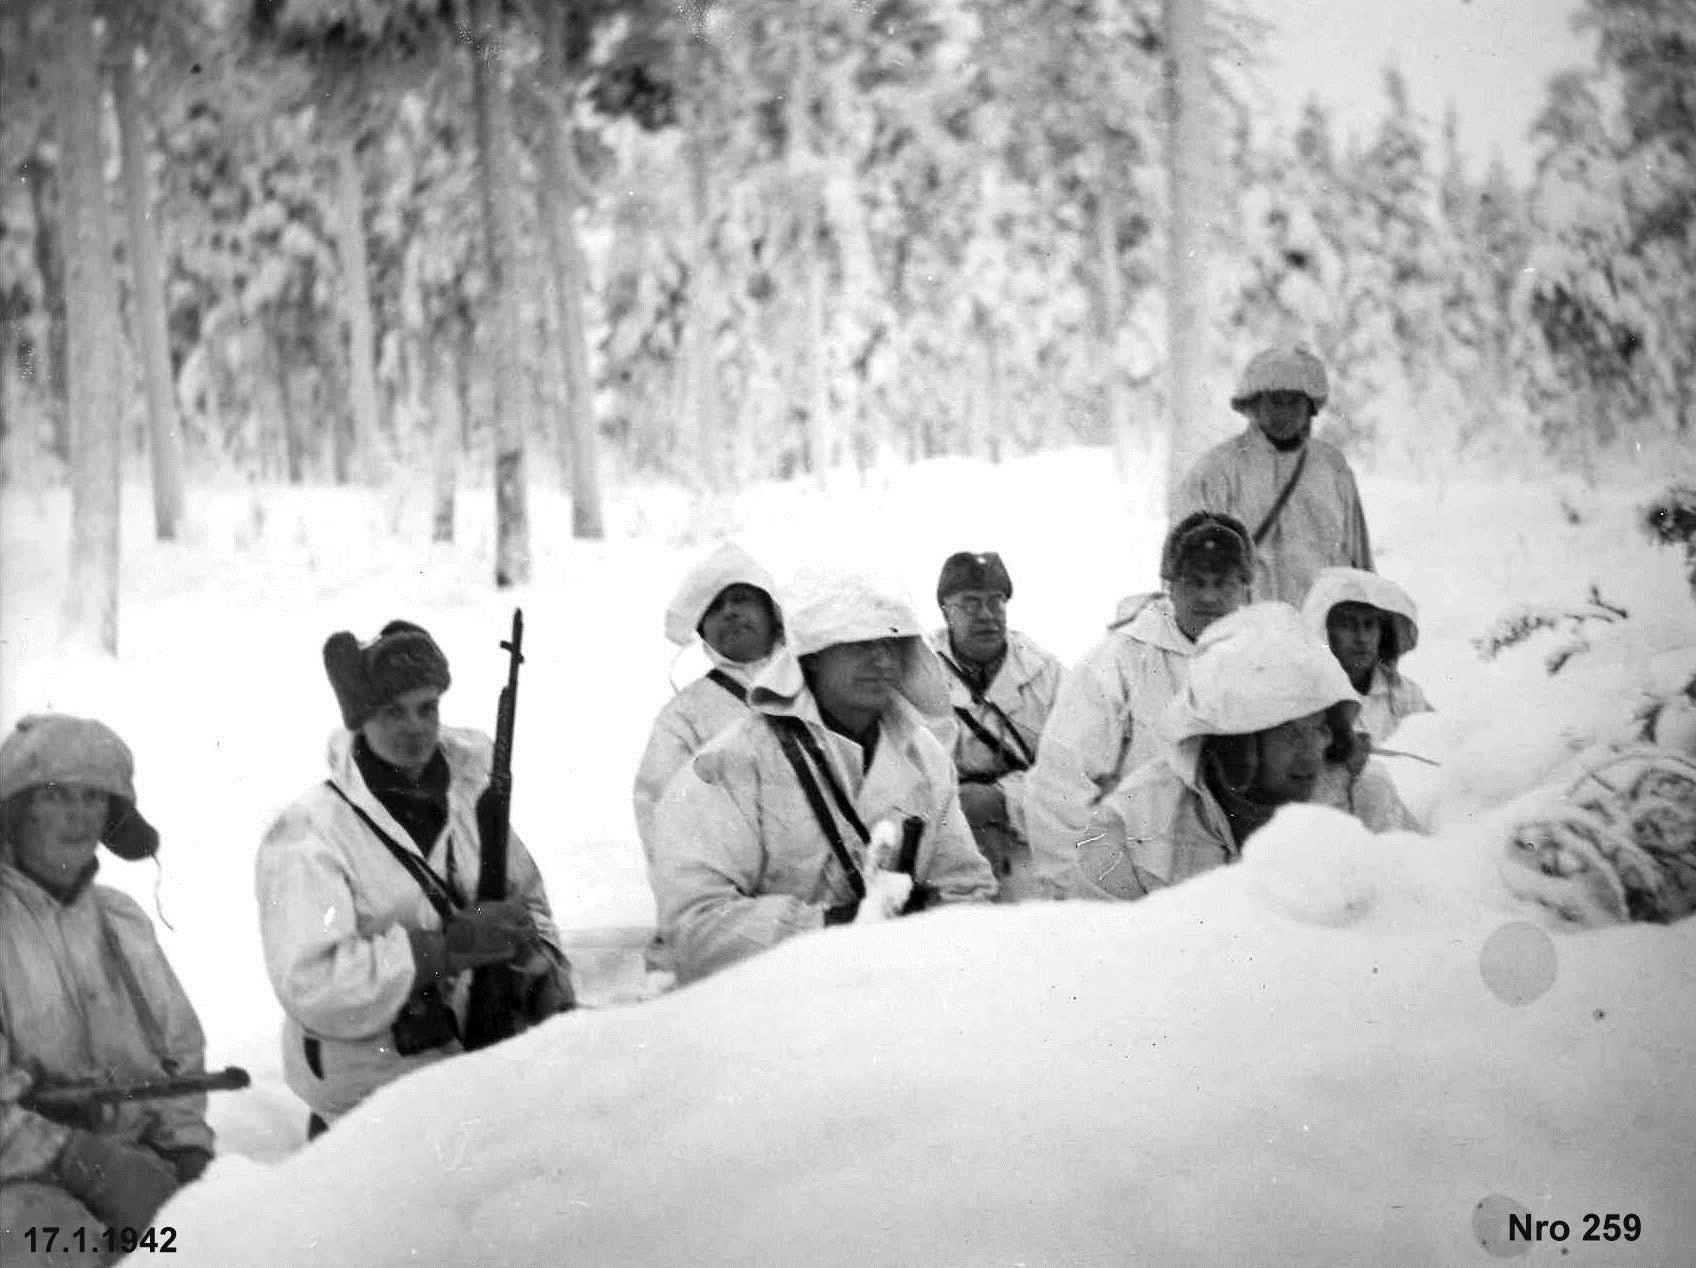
(143, 1010)
(441, 896)
(1283, 497)
(729, 684)
(786, 737)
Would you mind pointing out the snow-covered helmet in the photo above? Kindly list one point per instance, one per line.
(1282, 368)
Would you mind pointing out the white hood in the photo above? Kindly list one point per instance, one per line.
(727, 566)
(1254, 669)
(1332, 586)
(823, 607)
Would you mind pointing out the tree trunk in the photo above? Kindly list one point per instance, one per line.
(1112, 310)
(147, 276)
(811, 344)
(697, 439)
(445, 416)
(1189, 162)
(510, 401)
(294, 441)
(95, 395)
(356, 299)
(43, 185)
(561, 187)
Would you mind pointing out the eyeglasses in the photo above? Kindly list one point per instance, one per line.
(978, 604)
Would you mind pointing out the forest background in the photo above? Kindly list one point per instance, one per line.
(436, 245)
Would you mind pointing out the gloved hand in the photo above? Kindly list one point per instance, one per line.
(547, 994)
(1359, 750)
(886, 896)
(489, 933)
(122, 1186)
(985, 805)
(189, 1162)
(841, 914)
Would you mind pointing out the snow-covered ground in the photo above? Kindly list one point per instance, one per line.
(1300, 1060)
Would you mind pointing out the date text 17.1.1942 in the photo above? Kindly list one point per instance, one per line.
(50, 1237)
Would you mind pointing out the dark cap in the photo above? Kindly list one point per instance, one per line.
(968, 571)
(1209, 541)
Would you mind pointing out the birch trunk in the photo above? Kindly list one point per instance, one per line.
(510, 399)
(94, 390)
(1189, 162)
(147, 275)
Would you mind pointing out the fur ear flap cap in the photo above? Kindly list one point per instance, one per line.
(402, 658)
(345, 665)
(55, 748)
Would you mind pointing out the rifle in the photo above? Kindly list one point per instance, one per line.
(78, 1100)
(491, 1013)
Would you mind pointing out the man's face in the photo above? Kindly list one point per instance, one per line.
(59, 830)
(405, 730)
(739, 626)
(1200, 596)
(858, 677)
(1282, 416)
(977, 624)
(1356, 633)
(1290, 757)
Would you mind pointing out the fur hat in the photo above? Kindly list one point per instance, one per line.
(54, 748)
(966, 571)
(1282, 368)
(1216, 542)
(402, 658)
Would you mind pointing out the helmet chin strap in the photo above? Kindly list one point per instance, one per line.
(1293, 443)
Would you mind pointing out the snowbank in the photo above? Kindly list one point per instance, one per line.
(1203, 1077)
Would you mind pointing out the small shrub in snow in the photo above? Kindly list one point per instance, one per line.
(1520, 623)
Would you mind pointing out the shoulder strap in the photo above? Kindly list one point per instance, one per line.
(1283, 497)
(1019, 761)
(441, 896)
(1024, 759)
(729, 684)
(786, 729)
(837, 793)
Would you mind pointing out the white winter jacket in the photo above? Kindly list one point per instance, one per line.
(740, 861)
(1322, 524)
(1023, 691)
(86, 991)
(1102, 727)
(334, 910)
(681, 729)
(1163, 825)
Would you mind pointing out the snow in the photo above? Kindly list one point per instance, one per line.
(1313, 1058)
